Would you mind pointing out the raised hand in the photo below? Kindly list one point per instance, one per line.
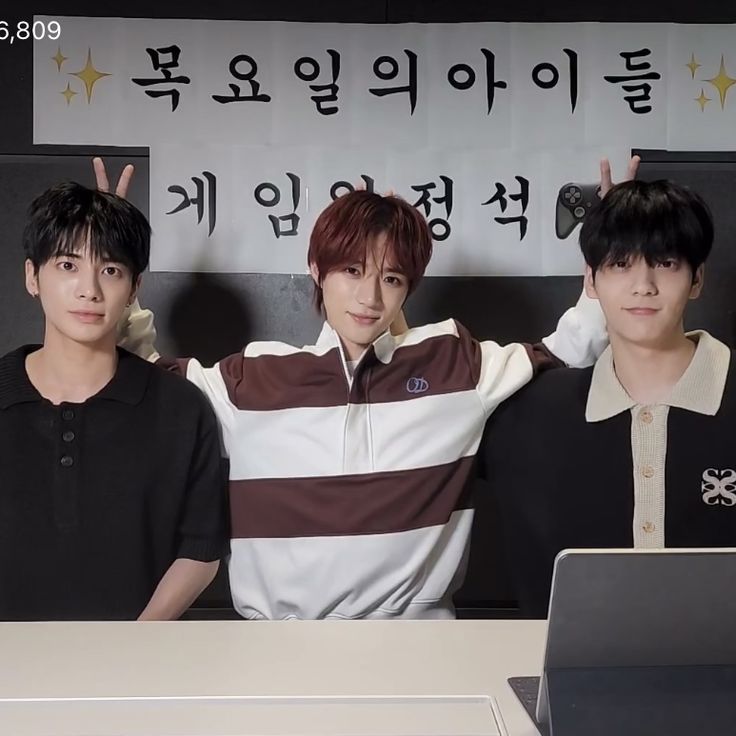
(121, 188)
(607, 182)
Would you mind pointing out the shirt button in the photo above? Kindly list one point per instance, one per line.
(68, 436)
(646, 416)
(67, 415)
(67, 461)
(647, 471)
(648, 527)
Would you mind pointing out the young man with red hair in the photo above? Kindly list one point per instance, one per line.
(351, 459)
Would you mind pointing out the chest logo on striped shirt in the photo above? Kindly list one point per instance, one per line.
(417, 385)
(719, 487)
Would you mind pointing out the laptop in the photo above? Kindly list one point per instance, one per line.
(640, 642)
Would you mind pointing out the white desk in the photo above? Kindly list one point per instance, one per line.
(236, 658)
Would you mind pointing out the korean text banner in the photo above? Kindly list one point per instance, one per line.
(254, 126)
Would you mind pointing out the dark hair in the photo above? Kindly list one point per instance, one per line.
(654, 220)
(346, 228)
(69, 216)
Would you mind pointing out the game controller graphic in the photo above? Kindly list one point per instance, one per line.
(573, 203)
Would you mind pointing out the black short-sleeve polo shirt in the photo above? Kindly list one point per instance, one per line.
(98, 499)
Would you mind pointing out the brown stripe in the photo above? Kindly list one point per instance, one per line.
(542, 357)
(174, 365)
(438, 365)
(376, 503)
(271, 382)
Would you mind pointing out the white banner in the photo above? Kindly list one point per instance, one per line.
(701, 104)
(251, 208)
(252, 124)
(139, 82)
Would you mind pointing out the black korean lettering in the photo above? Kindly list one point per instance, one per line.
(546, 76)
(343, 187)
(387, 68)
(463, 77)
(268, 194)
(243, 68)
(308, 70)
(439, 226)
(501, 198)
(636, 84)
(163, 60)
(204, 199)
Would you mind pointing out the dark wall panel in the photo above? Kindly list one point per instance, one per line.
(623, 11)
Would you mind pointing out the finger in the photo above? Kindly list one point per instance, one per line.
(606, 182)
(124, 181)
(632, 168)
(100, 174)
(389, 193)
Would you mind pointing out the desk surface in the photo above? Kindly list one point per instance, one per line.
(197, 658)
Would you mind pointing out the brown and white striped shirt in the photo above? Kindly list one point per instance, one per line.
(349, 495)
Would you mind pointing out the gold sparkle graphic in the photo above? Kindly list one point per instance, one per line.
(722, 82)
(59, 58)
(89, 75)
(68, 93)
(702, 100)
(693, 65)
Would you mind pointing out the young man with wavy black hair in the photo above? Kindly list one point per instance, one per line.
(637, 450)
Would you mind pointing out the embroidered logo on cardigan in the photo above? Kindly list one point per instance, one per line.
(719, 487)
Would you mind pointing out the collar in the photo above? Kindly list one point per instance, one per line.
(700, 388)
(383, 346)
(127, 386)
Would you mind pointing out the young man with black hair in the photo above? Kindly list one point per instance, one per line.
(111, 486)
(638, 450)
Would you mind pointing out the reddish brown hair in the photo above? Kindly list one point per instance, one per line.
(346, 229)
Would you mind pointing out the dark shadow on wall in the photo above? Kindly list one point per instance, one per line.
(496, 308)
(211, 315)
(208, 318)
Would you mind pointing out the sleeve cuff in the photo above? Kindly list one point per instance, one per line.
(581, 334)
(202, 549)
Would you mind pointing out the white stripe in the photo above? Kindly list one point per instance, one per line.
(418, 335)
(355, 438)
(212, 384)
(258, 349)
(349, 576)
(504, 370)
(306, 442)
